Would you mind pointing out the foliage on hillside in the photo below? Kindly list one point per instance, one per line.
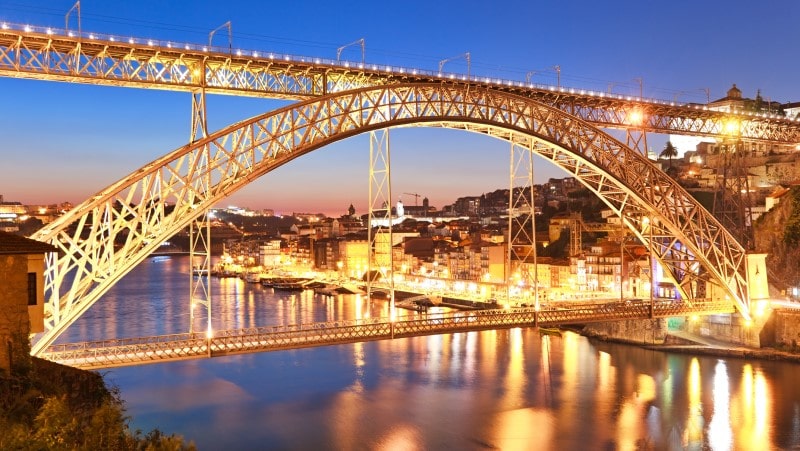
(778, 234)
(792, 230)
(46, 406)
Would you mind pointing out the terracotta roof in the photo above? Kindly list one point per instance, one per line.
(15, 244)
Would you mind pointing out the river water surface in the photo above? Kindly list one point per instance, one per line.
(507, 389)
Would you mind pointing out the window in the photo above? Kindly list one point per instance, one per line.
(32, 288)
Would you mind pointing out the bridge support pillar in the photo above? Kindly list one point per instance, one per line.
(757, 283)
(379, 229)
(522, 271)
(200, 228)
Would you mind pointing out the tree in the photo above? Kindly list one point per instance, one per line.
(669, 152)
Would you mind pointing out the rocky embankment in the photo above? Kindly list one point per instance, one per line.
(777, 234)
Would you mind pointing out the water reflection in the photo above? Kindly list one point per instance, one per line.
(693, 434)
(502, 389)
(720, 435)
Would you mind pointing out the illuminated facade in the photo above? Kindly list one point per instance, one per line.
(22, 294)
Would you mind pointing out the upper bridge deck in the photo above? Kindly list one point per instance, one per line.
(58, 55)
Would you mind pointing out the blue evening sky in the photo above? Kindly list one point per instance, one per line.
(64, 142)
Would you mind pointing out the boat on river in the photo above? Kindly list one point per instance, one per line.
(327, 290)
(285, 283)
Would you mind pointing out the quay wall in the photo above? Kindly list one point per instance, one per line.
(782, 329)
(776, 328)
(650, 332)
(728, 328)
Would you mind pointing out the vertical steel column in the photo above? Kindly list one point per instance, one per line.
(521, 219)
(621, 251)
(637, 140)
(651, 262)
(199, 286)
(732, 202)
(200, 228)
(380, 200)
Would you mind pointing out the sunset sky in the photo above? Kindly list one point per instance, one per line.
(65, 142)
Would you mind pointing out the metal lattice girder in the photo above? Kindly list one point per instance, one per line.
(101, 239)
(522, 219)
(691, 245)
(49, 54)
(379, 254)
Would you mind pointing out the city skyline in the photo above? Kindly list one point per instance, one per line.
(77, 139)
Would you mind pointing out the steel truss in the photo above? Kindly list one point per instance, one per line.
(522, 221)
(50, 54)
(200, 230)
(101, 239)
(379, 248)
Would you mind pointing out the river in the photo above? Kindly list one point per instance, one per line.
(512, 389)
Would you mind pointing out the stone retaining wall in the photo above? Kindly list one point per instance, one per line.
(638, 331)
(728, 328)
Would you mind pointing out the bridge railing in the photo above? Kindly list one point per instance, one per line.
(106, 353)
(345, 64)
(169, 44)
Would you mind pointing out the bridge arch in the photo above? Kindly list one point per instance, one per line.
(103, 238)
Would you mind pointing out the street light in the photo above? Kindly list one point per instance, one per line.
(635, 117)
(528, 76)
(558, 75)
(731, 127)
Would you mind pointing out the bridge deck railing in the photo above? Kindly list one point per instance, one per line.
(344, 64)
(127, 351)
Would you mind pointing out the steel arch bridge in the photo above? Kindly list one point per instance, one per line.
(102, 239)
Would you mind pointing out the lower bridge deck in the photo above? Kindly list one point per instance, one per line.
(160, 348)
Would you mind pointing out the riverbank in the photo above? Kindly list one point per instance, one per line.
(45, 405)
(688, 343)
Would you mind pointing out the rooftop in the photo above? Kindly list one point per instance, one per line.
(15, 244)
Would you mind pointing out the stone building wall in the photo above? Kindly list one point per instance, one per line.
(14, 319)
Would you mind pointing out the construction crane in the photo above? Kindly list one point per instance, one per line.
(416, 198)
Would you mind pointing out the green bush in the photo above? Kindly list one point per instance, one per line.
(51, 407)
